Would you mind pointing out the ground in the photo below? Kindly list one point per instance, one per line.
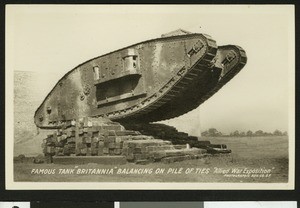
(249, 154)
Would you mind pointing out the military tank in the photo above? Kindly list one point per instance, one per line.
(150, 81)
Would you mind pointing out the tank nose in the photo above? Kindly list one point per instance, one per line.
(231, 59)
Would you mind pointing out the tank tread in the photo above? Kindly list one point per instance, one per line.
(189, 100)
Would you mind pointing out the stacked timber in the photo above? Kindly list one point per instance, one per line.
(136, 150)
(102, 137)
(165, 132)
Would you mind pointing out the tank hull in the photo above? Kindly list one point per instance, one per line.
(150, 81)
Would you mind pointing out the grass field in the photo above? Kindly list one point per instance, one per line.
(251, 153)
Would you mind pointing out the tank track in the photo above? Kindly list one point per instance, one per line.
(190, 100)
(242, 59)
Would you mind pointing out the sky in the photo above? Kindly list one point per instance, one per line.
(55, 39)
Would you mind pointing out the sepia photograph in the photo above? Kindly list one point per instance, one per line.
(121, 97)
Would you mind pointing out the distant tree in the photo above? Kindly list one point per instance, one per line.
(277, 133)
(266, 134)
(236, 133)
(213, 132)
(259, 133)
(249, 133)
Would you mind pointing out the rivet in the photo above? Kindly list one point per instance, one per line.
(82, 97)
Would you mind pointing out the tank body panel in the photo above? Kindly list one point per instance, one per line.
(120, 83)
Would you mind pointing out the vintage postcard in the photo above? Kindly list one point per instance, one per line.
(147, 97)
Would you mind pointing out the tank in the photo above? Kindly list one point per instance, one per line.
(150, 81)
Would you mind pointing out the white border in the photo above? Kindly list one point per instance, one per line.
(11, 185)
